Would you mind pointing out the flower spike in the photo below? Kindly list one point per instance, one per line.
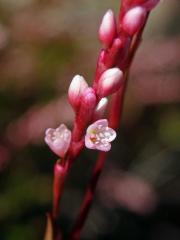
(99, 135)
(58, 139)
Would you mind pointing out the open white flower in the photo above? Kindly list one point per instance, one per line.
(58, 139)
(99, 135)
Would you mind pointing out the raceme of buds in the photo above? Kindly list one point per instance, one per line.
(107, 30)
(110, 82)
(58, 139)
(101, 108)
(133, 20)
(99, 135)
(76, 88)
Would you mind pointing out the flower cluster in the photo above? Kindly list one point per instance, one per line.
(89, 103)
(120, 40)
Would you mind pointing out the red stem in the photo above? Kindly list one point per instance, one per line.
(58, 184)
(84, 210)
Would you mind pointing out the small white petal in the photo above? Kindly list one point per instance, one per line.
(89, 143)
(49, 131)
(112, 134)
(101, 123)
(105, 147)
(62, 128)
(102, 105)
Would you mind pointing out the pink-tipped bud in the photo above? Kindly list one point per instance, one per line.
(134, 20)
(88, 100)
(110, 82)
(100, 109)
(85, 114)
(108, 30)
(77, 87)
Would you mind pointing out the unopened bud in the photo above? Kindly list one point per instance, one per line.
(88, 100)
(134, 20)
(84, 116)
(100, 109)
(110, 82)
(107, 30)
(77, 87)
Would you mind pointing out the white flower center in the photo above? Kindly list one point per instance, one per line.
(101, 135)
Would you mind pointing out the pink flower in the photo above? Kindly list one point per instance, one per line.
(99, 135)
(58, 139)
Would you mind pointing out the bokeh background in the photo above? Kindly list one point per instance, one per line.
(43, 44)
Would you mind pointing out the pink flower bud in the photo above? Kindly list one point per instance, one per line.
(84, 116)
(100, 109)
(76, 88)
(58, 139)
(134, 20)
(110, 82)
(99, 135)
(107, 30)
(114, 52)
(88, 100)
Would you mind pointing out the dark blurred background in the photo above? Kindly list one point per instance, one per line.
(43, 44)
